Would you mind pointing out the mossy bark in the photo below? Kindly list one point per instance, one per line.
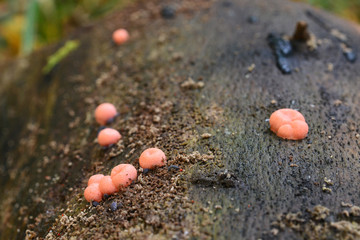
(244, 177)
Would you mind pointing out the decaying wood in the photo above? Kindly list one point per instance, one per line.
(301, 33)
(236, 179)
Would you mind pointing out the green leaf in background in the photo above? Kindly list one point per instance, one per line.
(28, 24)
(346, 8)
(106, 7)
(29, 33)
(60, 54)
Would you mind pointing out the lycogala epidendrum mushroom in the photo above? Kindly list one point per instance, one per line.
(107, 186)
(105, 113)
(120, 36)
(288, 124)
(122, 175)
(108, 136)
(93, 193)
(98, 185)
(95, 179)
(151, 158)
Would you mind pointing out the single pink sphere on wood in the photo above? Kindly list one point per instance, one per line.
(120, 36)
(151, 158)
(93, 193)
(108, 136)
(122, 175)
(105, 112)
(107, 186)
(95, 179)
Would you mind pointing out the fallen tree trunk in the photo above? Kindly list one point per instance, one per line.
(200, 86)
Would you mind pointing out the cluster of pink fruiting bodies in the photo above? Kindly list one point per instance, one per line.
(122, 175)
(289, 124)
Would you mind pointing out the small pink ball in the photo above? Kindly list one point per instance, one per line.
(120, 36)
(107, 186)
(122, 175)
(151, 158)
(92, 193)
(104, 112)
(95, 179)
(108, 136)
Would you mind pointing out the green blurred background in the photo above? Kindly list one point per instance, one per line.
(28, 24)
(349, 9)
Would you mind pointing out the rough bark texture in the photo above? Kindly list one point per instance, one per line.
(242, 182)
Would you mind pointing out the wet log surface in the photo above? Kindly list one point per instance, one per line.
(238, 180)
